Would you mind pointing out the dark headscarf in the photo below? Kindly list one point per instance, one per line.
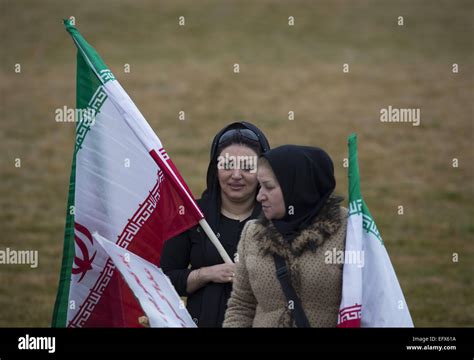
(214, 295)
(211, 200)
(306, 178)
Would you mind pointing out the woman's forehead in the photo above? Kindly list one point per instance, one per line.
(238, 149)
(265, 172)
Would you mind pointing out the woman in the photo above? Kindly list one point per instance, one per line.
(302, 220)
(190, 260)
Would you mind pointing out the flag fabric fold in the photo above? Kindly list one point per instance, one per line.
(371, 293)
(151, 287)
(124, 186)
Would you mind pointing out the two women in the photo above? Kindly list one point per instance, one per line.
(282, 279)
(190, 260)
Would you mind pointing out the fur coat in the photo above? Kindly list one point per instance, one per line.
(257, 299)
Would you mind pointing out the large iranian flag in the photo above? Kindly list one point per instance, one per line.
(123, 186)
(371, 294)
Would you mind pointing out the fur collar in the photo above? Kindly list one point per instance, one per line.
(325, 224)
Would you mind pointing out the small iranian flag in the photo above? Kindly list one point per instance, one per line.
(371, 294)
(123, 186)
(152, 288)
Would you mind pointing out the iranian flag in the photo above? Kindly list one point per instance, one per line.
(123, 186)
(371, 294)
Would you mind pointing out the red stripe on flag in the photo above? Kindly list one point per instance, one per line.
(174, 176)
(349, 317)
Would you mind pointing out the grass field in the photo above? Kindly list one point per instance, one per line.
(282, 68)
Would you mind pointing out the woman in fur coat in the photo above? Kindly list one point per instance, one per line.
(301, 221)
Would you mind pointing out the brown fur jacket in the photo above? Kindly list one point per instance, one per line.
(257, 299)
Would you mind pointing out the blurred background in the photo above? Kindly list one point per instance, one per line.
(282, 68)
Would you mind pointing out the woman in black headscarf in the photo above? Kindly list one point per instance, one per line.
(285, 277)
(190, 260)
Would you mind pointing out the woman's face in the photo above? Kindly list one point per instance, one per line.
(270, 194)
(237, 172)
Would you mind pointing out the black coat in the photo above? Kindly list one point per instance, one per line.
(208, 304)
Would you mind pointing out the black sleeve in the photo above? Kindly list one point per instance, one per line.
(175, 259)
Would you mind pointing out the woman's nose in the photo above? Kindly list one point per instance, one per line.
(236, 174)
(260, 195)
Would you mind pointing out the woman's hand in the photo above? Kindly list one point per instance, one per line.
(221, 273)
(143, 321)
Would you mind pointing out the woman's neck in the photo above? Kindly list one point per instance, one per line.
(237, 210)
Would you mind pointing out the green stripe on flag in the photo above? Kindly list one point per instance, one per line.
(90, 55)
(88, 91)
(62, 298)
(89, 94)
(354, 182)
(357, 204)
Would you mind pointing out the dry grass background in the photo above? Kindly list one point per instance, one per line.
(282, 68)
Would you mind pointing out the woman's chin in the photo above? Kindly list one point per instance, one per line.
(267, 214)
(237, 195)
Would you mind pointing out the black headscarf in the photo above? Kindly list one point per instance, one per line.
(211, 197)
(306, 178)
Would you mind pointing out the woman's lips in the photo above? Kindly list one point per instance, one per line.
(236, 186)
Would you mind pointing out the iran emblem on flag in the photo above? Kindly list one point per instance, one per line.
(371, 294)
(123, 186)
